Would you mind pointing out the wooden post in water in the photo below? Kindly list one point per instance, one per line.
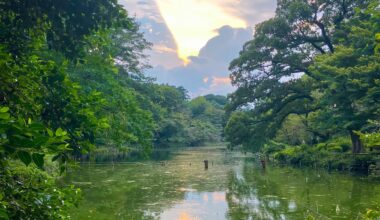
(263, 163)
(206, 164)
(262, 160)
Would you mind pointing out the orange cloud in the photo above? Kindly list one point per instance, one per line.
(160, 48)
(216, 81)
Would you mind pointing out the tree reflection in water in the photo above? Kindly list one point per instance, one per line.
(287, 193)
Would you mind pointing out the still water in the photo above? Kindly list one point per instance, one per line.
(234, 187)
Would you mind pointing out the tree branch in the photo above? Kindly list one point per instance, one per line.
(327, 40)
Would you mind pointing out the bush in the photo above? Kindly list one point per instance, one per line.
(339, 145)
(286, 154)
(273, 147)
(371, 214)
(30, 193)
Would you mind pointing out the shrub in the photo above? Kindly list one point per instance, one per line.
(273, 147)
(30, 193)
(340, 144)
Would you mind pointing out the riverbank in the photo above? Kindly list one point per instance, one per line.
(307, 156)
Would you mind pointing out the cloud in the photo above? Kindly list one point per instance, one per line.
(142, 3)
(226, 45)
(164, 51)
(142, 9)
(207, 72)
(252, 11)
(217, 81)
(192, 22)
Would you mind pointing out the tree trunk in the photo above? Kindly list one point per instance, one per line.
(357, 145)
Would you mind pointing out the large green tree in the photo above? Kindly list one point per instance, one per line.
(273, 73)
(349, 78)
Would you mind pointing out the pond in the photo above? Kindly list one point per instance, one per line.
(233, 187)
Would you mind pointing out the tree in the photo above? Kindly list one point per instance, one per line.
(217, 100)
(294, 131)
(272, 72)
(238, 131)
(199, 105)
(44, 113)
(65, 24)
(348, 78)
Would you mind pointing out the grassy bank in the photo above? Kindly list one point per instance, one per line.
(334, 155)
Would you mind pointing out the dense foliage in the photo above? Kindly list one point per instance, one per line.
(308, 83)
(200, 121)
(71, 81)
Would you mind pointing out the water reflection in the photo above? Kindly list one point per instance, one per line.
(234, 187)
(286, 193)
(204, 205)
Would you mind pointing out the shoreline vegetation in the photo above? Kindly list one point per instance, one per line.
(365, 163)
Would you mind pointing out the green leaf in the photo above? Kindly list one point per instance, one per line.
(62, 147)
(4, 115)
(40, 141)
(4, 109)
(50, 132)
(37, 127)
(59, 132)
(38, 159)
(24, 157)
(377, 36)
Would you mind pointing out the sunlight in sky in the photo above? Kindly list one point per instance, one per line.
(193, 23)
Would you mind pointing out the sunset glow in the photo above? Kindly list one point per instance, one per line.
(193, 22)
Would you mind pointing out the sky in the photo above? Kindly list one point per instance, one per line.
(195, 40)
